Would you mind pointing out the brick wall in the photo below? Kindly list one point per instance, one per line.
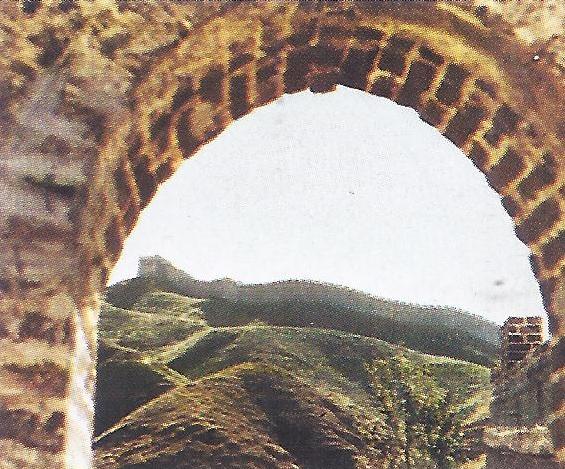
(520, 336)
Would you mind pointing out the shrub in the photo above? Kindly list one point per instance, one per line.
(423, 427)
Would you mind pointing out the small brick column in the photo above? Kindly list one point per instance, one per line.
(520, 336)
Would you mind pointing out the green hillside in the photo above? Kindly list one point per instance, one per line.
(438, 331)
(184, 385)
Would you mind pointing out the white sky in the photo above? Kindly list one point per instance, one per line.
(346, 188)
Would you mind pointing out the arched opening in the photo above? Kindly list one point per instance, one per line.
(343, 188)
(450, 86)
(336, 201)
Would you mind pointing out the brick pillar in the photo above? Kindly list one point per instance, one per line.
(520, 336)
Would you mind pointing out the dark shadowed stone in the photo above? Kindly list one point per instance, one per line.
(449, 91)
(356, 68)
(393, 57)
(164, 171)
(542, 176)
(479, 156)
(145, 181)
(464, 124)
(334, 32)
(240, 61)
(432, 113)
(297, 69)
(364, 33)
(430, 55)
(419, 79)
(51, 186)
(113, 238)
(46, 377)
(547, 288)
(66, 5)
(30, 6)
(327, 55)
(383, 86)
(184, 92)
(267, 71)
(535, 264)
(54, 145)
(510, 205)
(304, 35)
(324, 82)
(504, 122)
(239, 96)
(37, 326)
(554, 250)
(211, 85)
(123, 188)
(26, 427)
(510, 166)
(4, 332)
(487, 87)
(540, 220)
(130, 217)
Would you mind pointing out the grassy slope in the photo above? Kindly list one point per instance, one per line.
(391, 321)
(249, 396)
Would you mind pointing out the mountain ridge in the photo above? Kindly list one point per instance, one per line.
(314, 290)
(293, 302)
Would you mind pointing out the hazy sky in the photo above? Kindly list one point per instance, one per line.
(346, 188)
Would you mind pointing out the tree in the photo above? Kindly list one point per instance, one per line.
(423, 424)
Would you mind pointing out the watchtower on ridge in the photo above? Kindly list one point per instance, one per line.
(153, 266)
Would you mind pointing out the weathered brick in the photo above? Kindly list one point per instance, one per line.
(428, 54)
(542, 176)
(539, 221)
(510, 166)
(356, 67)
(504, 122)
(450, 88)
(298, 66)
(419, 79)
(554, 250)
(211, 85)
(383, 86)
(464, 124)
(393, 57)
(239, 96)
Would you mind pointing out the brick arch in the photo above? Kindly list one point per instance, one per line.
(182, 105)
(79, 183)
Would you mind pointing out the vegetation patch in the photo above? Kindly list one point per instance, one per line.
(182, 385)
